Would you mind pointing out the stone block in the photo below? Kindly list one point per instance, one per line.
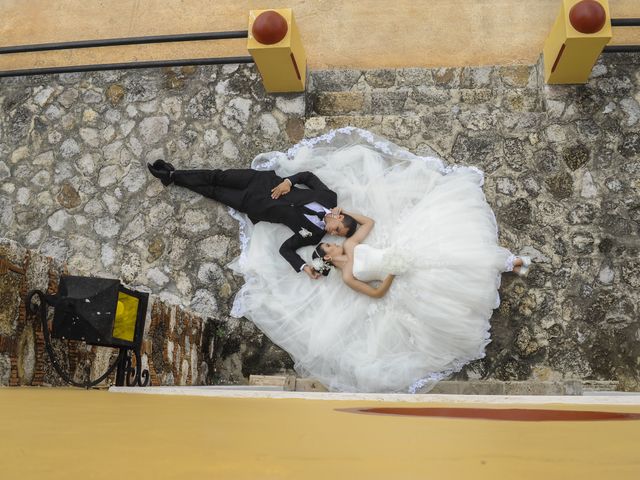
(384, 78)
(476, 96)
(388, 102)
(333, 80)
(338, 103)
(477, 77)
(518, 76)
(309, 385)
(542, 388)
(5, 369)
(361, 121)
(10, 286)
(287, 383)
(429, 96)
(560, 185)
(447, 77)
(521, 100)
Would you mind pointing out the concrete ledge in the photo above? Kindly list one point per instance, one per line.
(453, 387)
(380, 397)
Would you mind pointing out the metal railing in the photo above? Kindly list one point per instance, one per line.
(111, 42)
(623, 22)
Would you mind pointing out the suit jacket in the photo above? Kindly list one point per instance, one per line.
(289, 209)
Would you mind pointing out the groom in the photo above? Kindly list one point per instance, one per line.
(266, 197)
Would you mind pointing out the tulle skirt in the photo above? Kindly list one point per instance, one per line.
(435, 317)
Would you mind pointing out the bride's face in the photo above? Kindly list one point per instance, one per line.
(332, 250)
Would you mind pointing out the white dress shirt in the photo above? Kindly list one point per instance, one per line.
(316, 207)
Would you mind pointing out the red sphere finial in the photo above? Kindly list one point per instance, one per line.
(269, 27)
(587, 16)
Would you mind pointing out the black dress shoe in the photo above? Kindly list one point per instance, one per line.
(162, 165)
(162, 171)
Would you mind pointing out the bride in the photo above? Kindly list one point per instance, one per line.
(361, 264)
(412, 303)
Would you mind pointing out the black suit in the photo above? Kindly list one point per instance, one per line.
(249, 191)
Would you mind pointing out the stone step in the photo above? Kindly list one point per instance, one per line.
(599, 386)
(494, 387)
(496, 77)
(377, 123)
(284, 382)
(453, 387)
(468, 138)
(419, 134)
(424, 100)
(438, 130)
(514, 88)
(251, 388)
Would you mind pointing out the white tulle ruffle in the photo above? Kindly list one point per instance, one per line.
(438, 233)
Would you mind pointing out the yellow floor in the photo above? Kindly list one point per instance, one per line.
(336, 33)
(76, 434)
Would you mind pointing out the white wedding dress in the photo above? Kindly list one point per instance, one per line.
(434, 230)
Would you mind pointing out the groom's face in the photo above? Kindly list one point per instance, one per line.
(334, 226)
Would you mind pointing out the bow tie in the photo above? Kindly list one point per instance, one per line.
(310, 211)
(320, 215)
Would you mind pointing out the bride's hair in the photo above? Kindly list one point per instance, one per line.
(319, 263)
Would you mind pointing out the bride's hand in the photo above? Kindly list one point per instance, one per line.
(311, 272)
(282, 189)
(336, 211)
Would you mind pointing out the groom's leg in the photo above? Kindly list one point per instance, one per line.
(194, 178)
(209, 184)
(238, 178)
(227, 196)
(232, 178)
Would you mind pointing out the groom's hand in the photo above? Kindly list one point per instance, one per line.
(336, 211)
(282, 189)
(311, 272)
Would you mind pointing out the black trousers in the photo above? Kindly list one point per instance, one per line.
(229, 187)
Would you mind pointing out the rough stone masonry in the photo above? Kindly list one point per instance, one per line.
(562, 170)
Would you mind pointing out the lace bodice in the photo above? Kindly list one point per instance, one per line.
(371, 263)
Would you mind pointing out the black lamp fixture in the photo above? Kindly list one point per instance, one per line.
(98, 311)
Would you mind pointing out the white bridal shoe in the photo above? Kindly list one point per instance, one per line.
(524, 268)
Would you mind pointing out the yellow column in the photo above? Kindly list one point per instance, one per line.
(569, 55)
(283, 65)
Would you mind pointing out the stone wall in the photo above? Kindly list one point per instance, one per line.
(562, 165)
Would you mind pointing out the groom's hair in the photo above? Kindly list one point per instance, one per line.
(350, 223)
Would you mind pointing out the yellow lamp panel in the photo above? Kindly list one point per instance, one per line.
(124, 325)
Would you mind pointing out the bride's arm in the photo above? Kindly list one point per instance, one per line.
(362, 287)
(366, 225)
